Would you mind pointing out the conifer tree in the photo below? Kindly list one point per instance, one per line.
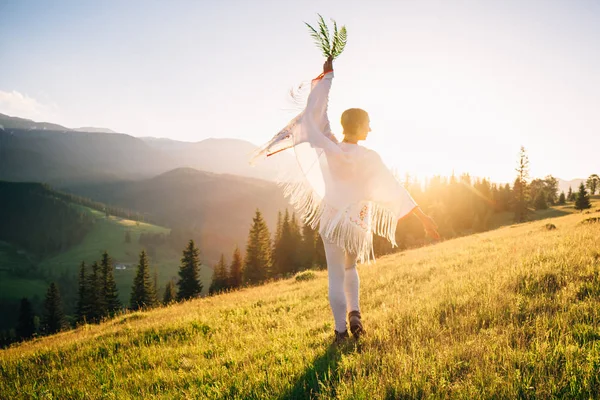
(142, 292)
(110, 295)
(236, 273)
(289, 247)
(296, 244)
(309, 247)
(592, 183)
(54, 317)
(582, 201)
(540, 201)
(82, 308)
(220, 277)
(189, 283)
(275, 254)
(170, 294)
(570, 195)
(562, 198)
(520, 186)
(506, 195)
(257, 265)
(25, 326)
(94, 294)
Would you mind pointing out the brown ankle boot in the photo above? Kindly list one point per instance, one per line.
(340, 337)
(355, 324)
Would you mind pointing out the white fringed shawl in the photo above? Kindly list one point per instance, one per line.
(343, 188)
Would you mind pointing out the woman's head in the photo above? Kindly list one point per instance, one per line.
(355, 122)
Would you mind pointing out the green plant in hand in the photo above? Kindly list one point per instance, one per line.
(331, 46)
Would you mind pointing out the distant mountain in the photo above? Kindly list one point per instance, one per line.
(8, 122)
(222, 156)
(215, 209)
(94, 130)
(68, 157)
(42, 152)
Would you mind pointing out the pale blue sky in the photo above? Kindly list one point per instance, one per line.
(450, 85)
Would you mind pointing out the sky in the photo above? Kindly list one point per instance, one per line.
(450, 86)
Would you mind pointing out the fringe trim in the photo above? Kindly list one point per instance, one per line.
(335, 225)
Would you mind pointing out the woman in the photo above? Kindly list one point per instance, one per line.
(346, 191)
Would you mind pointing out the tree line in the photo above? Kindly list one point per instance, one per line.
(460, 205)
(292, 248)
(98, 297)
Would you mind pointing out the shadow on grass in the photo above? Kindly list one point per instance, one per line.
(320, 376)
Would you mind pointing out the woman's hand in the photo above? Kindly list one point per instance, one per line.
(328, 65)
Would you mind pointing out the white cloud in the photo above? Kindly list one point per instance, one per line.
(21, 105)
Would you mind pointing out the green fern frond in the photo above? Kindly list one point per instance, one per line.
(340, 42)
(324, 34)
(334, 41)
(330, 46)
(315, 35)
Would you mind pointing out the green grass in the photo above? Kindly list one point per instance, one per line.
(108, 234)
(512, 313)
(16, 288)
(11, 257)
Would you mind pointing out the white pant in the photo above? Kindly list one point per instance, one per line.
(343, 283)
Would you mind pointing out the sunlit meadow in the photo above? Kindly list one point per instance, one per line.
(509, 313)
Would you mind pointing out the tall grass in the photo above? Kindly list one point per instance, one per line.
(512, 313)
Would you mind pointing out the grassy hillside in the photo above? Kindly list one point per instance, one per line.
(109, 234)
(510, 313)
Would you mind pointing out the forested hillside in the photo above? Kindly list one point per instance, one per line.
(36, 219)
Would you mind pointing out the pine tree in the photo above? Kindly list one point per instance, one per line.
(592, 183)
(82, 308)
(236, 273)
(54, 317)
(220, 277)
(582, 201)
(258, 251)
(570, 195)
(189, 283)
(520, 187)
(94, 292)
(540, 201)
(142, 292)
(309, 247)
(110, 295)
(170, 294)
(25, 326)
(562, 198)
(289, 247)
(275, 256)
(296, 244)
